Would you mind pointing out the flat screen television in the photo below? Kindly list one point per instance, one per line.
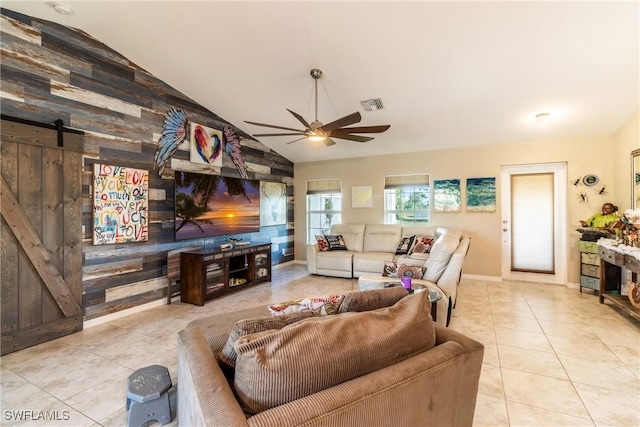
(214, 205)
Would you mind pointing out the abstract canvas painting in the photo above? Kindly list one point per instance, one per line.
(120, 204)
(446, 196)
(273, 203)
(481, 194)
(206, 145)
(362, 196)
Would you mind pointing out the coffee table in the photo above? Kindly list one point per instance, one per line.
(434, 294)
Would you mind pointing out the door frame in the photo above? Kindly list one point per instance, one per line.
(559, 171)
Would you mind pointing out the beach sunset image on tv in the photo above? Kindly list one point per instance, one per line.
(214, 205)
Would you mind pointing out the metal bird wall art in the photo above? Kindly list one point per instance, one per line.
(175, 131)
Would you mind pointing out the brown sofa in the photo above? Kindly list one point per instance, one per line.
(433, 387)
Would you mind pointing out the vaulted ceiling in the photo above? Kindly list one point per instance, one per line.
(450, 74)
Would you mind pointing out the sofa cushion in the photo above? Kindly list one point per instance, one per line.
(420, 230)
(441, 252)
(372, 299)
(381, 237)
(250, 326)
(306, 357)
(369, 261)
(335, 260)
(353, 235)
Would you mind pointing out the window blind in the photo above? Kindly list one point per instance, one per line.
(532, 225)
(397, 181)
(324, 186)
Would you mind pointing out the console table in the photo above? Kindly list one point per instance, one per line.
(207, 274)
(612, 262)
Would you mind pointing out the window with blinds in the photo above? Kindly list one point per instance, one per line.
(406, 199)
(532, 224)
(324, 206)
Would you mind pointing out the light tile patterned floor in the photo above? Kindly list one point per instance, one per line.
(553, 356)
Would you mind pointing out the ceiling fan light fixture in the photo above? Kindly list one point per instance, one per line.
(317, 138)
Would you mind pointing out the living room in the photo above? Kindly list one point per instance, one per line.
(126, 278)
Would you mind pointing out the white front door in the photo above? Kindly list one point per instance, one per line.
(534, 224)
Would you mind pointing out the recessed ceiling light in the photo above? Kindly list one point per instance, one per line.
(63, 9)
(543, 117)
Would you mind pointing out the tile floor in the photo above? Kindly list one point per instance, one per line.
(553, 356)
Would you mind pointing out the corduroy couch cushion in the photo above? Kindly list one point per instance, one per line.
(306, 357)
(372, 299)
(251, 326)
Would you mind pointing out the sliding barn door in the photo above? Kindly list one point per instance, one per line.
(41, 232)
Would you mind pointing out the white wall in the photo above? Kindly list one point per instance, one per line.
(605, 156)
(626, 139)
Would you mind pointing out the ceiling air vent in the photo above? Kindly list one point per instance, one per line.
(372, 104)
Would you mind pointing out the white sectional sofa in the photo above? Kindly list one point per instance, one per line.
(368, 246)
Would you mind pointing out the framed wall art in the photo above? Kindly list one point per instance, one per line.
(481, 194)
(120, 204)
(362, 196)
(205, 145)
(446, 196)
(273, 203)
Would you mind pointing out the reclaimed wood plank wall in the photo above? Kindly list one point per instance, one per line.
(50, 72)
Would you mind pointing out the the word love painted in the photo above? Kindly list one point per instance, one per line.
(120, 204)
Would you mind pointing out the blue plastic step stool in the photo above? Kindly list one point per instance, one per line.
(148, 397)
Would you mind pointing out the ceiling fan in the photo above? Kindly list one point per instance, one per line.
(316, 131)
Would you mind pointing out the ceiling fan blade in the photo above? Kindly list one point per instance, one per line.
(345, 121)
(279, 134)
(356, 138)
(361, 129)
(273, 126)
(296, 140)
(300, 119)
(329, 142)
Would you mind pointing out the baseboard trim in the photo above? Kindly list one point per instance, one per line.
(480, 277)
(127, 312)
(284, 264)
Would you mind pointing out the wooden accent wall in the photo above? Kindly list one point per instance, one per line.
(51, 72)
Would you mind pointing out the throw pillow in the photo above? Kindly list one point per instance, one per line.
(323, 244)
(372, 299)
(306, 357)
(320, 305)
(413, 271)
(336, 243)
(250, 326)
(390, 269)
(422, 245)
(405, 245)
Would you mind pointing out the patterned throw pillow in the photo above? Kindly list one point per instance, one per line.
(405, 245)
(336, 243)
(322, 242)
(422, 245)
(390, 269)
(413, 271)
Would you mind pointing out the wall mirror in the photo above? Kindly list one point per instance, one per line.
(635, 179)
